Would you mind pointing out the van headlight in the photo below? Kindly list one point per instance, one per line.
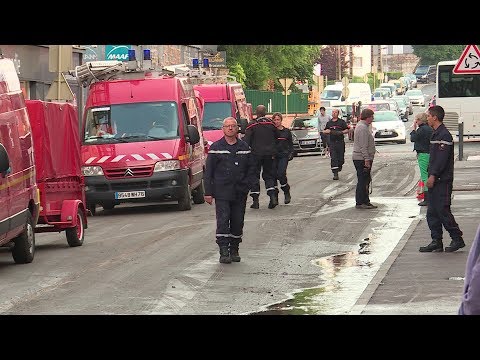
(166, 165)
(92, 171)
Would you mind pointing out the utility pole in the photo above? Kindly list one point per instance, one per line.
(339, 63)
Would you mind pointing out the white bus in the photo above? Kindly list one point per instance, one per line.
(459, 95)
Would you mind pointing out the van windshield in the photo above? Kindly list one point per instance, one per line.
(331, 94)
(214, 113)
(132, 122)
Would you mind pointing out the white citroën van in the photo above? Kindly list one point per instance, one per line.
(332, 94)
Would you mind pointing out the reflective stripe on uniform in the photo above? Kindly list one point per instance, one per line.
(219, 152)
(441, 142)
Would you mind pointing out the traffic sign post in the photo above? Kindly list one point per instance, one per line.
(286, 82)
(469, 61)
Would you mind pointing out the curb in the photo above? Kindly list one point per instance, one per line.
(367, 294)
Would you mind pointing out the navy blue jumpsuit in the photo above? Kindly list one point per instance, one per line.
(228, 176)
(440, 196)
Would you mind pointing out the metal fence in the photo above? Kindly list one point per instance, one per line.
(276, 101)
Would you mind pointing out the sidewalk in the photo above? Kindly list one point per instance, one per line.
(410, 282)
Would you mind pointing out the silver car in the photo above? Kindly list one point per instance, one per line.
(306, 135)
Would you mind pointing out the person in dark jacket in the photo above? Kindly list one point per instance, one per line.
(336, 128)
(470, 304)
(229, 172)
(420, 137)
(440, 185)
(284, 155)
(261, 135)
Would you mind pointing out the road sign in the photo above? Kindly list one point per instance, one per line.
(317, 69)
(345, 81)
(469, 61)
(286, 82)
(345, 91)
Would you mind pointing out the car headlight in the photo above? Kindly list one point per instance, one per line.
(92, 171)
(166, 165)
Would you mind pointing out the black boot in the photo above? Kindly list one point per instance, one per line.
(434, 246)
(255, 204)
(273, 200)
(288, 198)
(335, 175)
(234, 256)
(455, 245)
(425, 199)
(224, 254)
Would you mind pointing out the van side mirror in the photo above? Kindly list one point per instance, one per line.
(242, 123)
(193, 134)
(4, 161)
(342, 98)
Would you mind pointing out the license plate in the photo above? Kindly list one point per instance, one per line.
(308, 142)
(386, 133)
(129, 195)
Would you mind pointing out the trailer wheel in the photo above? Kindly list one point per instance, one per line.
(198, 194)
(24, 244)
(76, 234)
(185, 202)
(92, 208)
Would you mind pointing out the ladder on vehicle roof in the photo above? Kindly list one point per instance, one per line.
(93, 71)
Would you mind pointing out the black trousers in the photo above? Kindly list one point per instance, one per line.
(337, 155)
(281, 164)
(364, 178)
(230, 216)
(265, 166)
(439, 213)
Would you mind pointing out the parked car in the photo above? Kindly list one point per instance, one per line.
(403, 106)
(392, 87)
(416, 96)
(306, 135)
(413, 79)
(407, 101)
(381, 94)
(380, 105)
(387, 126)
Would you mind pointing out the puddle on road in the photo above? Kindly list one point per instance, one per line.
(307, 301)
(345, 276)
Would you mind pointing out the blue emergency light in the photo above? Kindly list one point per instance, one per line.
(195, 63)
(205, 63)
(146, 54)
(131, 55)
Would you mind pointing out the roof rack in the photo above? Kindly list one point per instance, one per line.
(94, 71)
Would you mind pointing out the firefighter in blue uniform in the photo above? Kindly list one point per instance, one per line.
(284, 155)
(337, 128)
(229, 172)
(440, 185)
(261, 134)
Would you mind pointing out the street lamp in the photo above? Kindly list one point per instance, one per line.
(386, 58)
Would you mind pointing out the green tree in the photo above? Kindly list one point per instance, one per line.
(432, 54)
(265, 64)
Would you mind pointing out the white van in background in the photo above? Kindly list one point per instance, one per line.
(359, 92)
(332, 94)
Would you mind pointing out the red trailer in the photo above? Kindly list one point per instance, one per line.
(59, 176)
